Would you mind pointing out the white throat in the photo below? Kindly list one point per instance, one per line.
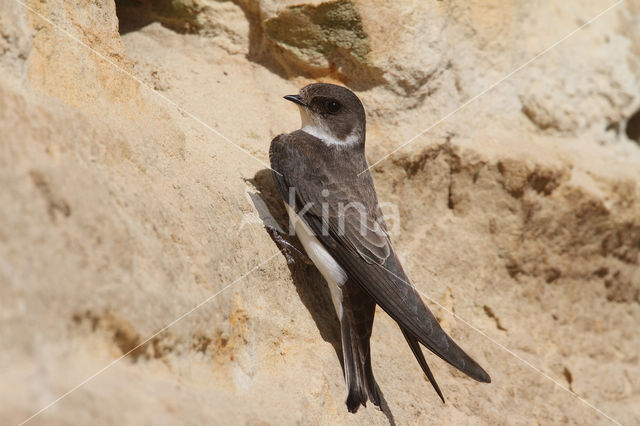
(319, 130)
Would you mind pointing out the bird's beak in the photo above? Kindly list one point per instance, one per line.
(296, 99)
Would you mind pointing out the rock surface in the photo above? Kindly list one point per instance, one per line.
(133, 164)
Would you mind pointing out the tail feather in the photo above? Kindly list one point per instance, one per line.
(372, 386)
(356, 322)
(361, 385)
(417, 352)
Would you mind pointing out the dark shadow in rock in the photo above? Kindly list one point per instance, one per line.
(280, 61)
(311, 287)
(182, 17)
(384, 407)
(632, 128)
(136, 14)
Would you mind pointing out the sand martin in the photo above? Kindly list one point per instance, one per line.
(334, 210)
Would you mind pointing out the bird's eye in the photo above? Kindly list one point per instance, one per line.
(333, 106)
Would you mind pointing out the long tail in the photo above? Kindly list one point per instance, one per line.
(417, 352)
(356, 323)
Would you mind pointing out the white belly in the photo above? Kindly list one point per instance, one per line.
(326, 264)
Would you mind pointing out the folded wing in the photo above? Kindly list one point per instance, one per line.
(360, 245)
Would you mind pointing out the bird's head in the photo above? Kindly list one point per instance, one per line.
(331, 113)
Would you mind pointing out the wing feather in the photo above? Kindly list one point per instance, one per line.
(361, 246)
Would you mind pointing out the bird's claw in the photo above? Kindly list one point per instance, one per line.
(287, 248)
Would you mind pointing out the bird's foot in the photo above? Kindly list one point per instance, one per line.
(287, 248)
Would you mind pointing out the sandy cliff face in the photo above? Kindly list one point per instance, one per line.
(133, 168)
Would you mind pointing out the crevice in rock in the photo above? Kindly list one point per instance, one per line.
(181, 17)
(621, 288)
(569, 377)
(55, 202)
(450, 198)
(222, 344)
(491, 314)
(551, 274)
(518, 178)
(613, 127)
(632, 129)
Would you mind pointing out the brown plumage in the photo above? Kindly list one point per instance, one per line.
(326, 176)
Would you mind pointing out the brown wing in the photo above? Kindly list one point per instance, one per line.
(324, 179)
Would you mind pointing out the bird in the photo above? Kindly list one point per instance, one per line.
(322, 175)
